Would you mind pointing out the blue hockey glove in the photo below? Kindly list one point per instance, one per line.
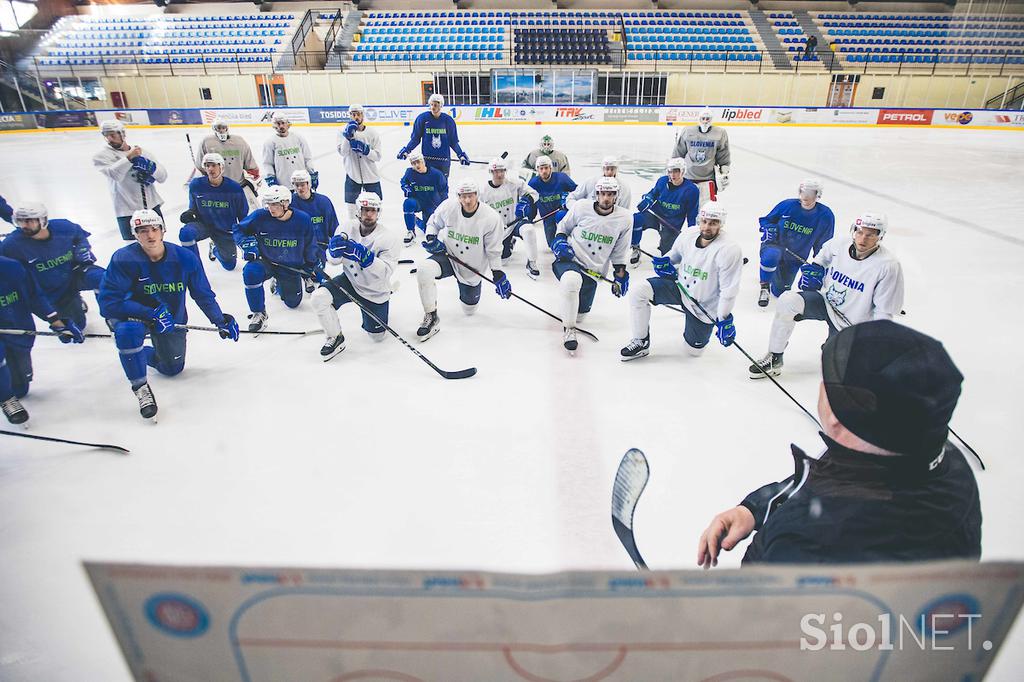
(526, 209)
(350, 130)
(562, 249)
(314, 179)
(463, 159)
(403, 153)
(250, 248)
(433, 244)
(501, 284)
(271, 180)
(359, 147)
(645, 203)
(407, 190)
(357, 252)
(336, 246)
(83, 255)
(812, 276)
(228, 328)
(663, 267)
(163, 321)
(726, 331)
(144, 179)
(620, 285)
(143, 165)
(769, 233)
(68, 333)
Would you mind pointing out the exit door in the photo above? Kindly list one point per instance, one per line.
(271, 91)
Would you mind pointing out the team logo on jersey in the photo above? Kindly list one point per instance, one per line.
(836, 297)
(700, 156)
(435, 141)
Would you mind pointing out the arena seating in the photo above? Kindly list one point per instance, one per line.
(926, 39)
(675, 36)
(89, 40)
(561, 46)
(792, 36)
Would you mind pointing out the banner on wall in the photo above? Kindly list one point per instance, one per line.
(129, 117)
(252, 116)
(66, 119)
(174, 117)
(17, 122)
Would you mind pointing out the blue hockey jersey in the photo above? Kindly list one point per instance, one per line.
(49, 261)
(289, 242)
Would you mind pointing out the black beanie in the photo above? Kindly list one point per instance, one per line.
(894, 387)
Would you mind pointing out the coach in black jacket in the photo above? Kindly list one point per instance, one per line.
(889, 487)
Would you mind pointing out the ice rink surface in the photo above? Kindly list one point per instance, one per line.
(265, 455)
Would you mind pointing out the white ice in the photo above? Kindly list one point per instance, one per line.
(265, 455)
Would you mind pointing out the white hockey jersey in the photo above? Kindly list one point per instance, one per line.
(599, 241)
(282, 156)
(862, 290)
(372, 283)
(235, 150)
(710, 274)
(587, 191)
(361, 169)
(503, 199)
(124, 188)
(475, 240)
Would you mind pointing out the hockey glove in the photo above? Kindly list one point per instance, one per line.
(562, 249)
(144, 179)
(407, 190)
(359, 147)
(143, 165)
(188, 216)
(501, 284)
(314, 179)
(250, 248)
(812, 276)
(663, 267)
(645, 203)
(621, 284)
(769, 234)
(228, 328)
(163, 321)
(433, 244)
(463, 159)
(271, 180)
(83, 255)
(403, 153)
(355, 251)
(68, 333)
(725, 330)
(350, 130)
(336, 246)
(525, 209)
(723, 178)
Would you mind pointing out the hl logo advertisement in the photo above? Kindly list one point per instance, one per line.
(938, 627)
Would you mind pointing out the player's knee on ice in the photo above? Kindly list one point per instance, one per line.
(377, 336)
(770, 257)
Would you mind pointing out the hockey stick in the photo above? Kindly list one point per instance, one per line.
(543, 217)
(101, 446)
(328, 282)
(201, 328)
(191, 160)
(753, 362)
(598, 276)
(479, 274)
(27, 332)
(630, 481)
(504, 155)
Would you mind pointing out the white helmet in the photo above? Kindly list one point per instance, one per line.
(609, 162)
(467, 186)
(811, 185)
(220, 129)
(497, 164)
(31, 210)
(704, 120)
(145, 217)
(415, 156)
(276, 194)
(213, 157)
(111, 126)
(368, 200)
(875, 221)
(355, 107)
(712, 210)
(547, 143)
(606, 185)
(301, 176)
(675, 163)
(436, 98)
(543, 160)
(279, 116)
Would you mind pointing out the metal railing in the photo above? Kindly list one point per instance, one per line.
(1008, 99)
(332, 33)
(305, 26)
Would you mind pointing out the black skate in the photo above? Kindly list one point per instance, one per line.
(637, 348)
(409, 238)
(634, 256)
(429, 326)
(14, 411)
(258, 321)
(147, 403)
(763, 297)
(212, 253)
(531, 270)
(569, 341)
(770, 364)
(332, 347)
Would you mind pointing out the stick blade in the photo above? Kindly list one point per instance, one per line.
(589, 335)
(460, 374)
(630, 481)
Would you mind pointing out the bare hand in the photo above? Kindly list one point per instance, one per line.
(735, 524)
(134, 151)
